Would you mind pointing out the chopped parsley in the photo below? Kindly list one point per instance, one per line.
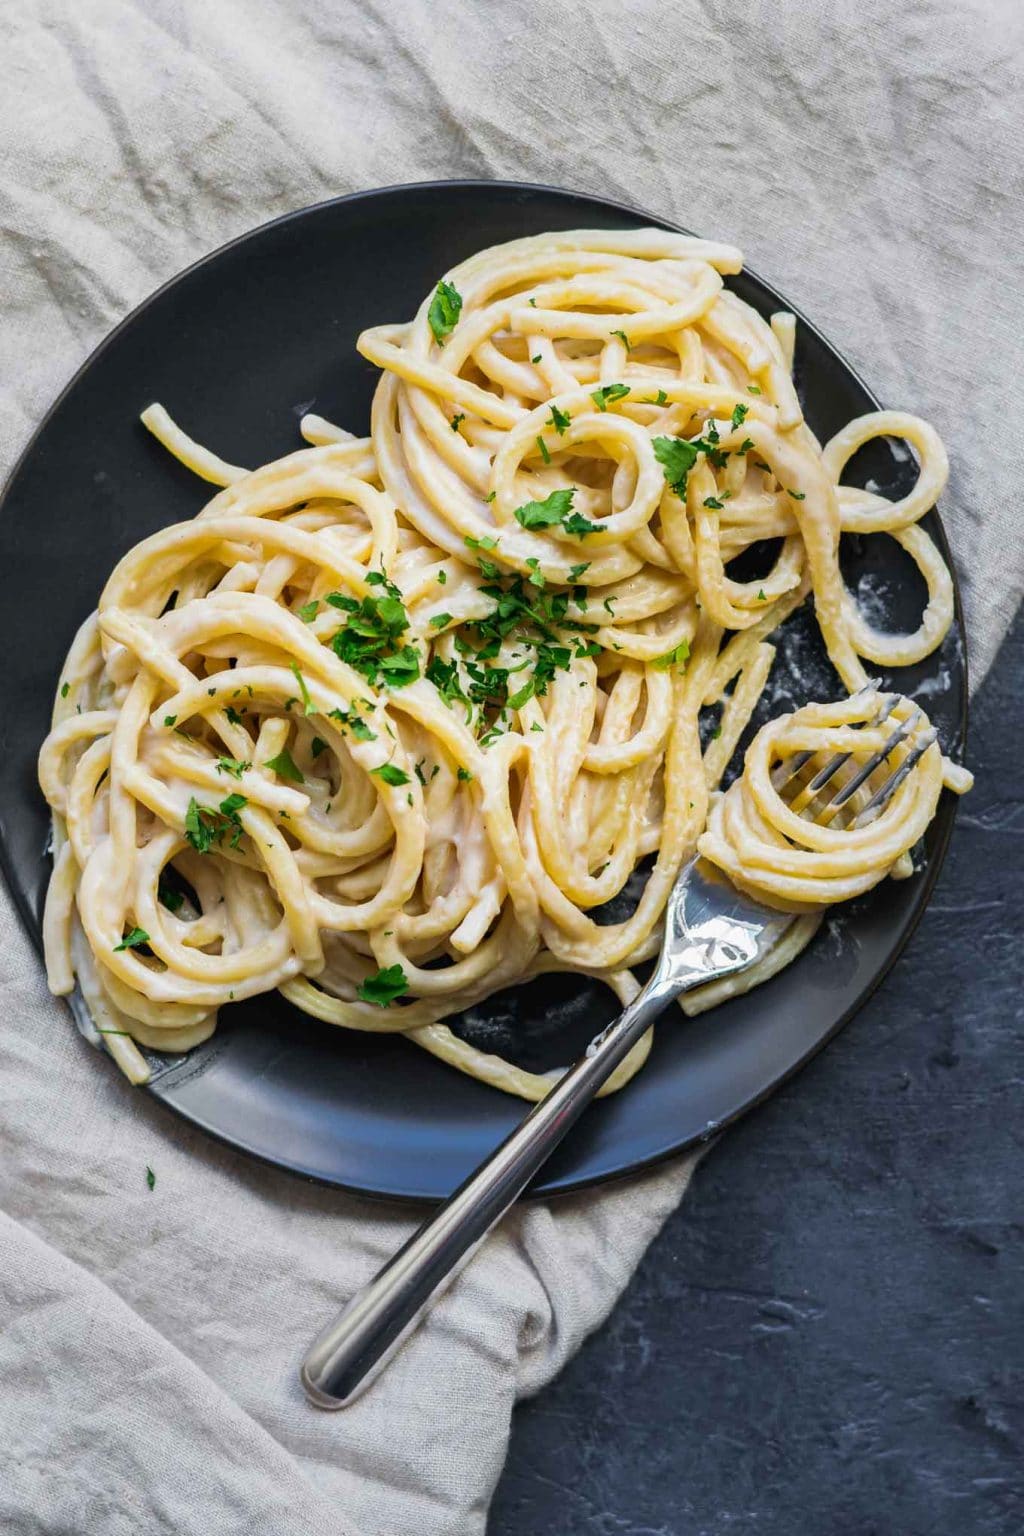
(797, 495)
(233, 766)
(440, 620)
(714, 503)
(559, 420)
(760, 596)
(169, 719)
(65, 689)
(385, 987)
(753, 389)
(553, 511)
(442, 578)
(316, 746)
(308, 612)
(445, 309)
(150, 1177)
(285, 767)
(391, 775)
(576, 571)
(206, 825)
(359, 728)
(543, 450)
(457, 420)
(659, 399)
(133, 940)
(485, 543)
(677, 457)
(369, 638)
(608, 394)
(740, 414)
(232, 714)
(623, 338)
(465, 775)
(677, 657)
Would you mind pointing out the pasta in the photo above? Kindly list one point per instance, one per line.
(767, 845)
(391, 719)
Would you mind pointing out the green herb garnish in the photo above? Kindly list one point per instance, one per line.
(133, 940)
(233, 766)
(391, 775)
(445, 309)
(608, 394)
(285, 767)
(385, 987)
(677, 657)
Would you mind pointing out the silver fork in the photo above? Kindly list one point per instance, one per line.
(711, 930)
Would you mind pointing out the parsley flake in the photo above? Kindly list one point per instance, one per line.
(445, 309)
(676, 457)
(608, 394)
(677, 657)
(391, 775)
(233, 766)
(385, 987)
(285, 767)
(133, 940)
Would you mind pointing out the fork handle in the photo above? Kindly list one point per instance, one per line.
(375, 1323)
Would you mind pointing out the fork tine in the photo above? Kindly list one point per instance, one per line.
(884, 794)
(792, 766)
(852, 784)
(832, 767)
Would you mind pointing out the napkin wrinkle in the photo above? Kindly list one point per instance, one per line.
(871, 166)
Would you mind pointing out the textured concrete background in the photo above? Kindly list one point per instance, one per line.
(828, 1338)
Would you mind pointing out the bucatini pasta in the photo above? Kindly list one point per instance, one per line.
(387, 722)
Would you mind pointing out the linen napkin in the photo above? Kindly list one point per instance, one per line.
(867, 159)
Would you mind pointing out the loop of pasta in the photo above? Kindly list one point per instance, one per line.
(768, 842)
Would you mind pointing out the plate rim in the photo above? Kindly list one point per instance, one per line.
(945, 818)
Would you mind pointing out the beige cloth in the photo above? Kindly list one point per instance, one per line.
(867, 158)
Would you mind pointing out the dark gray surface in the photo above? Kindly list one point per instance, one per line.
(827, 1339)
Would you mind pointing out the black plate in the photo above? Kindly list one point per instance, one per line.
(237, 348)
